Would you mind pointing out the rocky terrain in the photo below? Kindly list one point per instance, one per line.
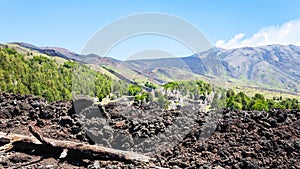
(240, 139)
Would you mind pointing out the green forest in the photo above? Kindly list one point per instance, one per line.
(43, 76)
(241, 101)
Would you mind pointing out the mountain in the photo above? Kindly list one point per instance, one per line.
(272, 67)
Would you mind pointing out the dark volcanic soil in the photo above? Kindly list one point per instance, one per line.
(241, 139)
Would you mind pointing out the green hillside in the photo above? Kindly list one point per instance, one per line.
(43, 76)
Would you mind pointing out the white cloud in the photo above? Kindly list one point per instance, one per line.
(285, 34)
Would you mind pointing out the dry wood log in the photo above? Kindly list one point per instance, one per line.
(75, 150)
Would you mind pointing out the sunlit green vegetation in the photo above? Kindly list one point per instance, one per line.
(150, 85)
(43, 76)
(241, 101)
(194, 88)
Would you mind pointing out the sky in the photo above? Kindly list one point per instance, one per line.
(227, 24)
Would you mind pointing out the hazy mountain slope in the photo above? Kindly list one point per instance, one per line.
(52, 51)
(275, 66)
(66, 54)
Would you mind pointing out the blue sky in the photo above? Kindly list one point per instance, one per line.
(69, 24)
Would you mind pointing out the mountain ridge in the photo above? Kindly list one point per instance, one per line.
(276, 66)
